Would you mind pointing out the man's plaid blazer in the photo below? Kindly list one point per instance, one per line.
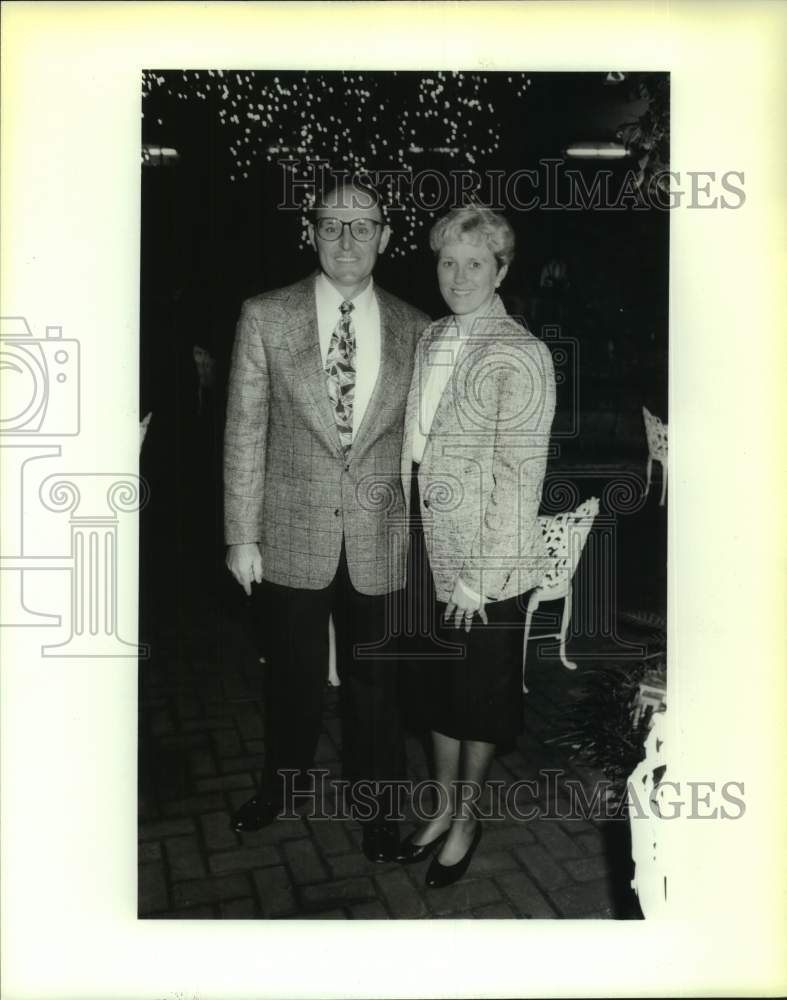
(287, 482)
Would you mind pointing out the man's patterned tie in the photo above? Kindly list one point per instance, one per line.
(340, 369)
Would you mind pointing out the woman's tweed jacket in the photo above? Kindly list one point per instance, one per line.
(482, 471)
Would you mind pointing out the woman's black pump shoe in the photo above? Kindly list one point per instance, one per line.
(410, 853)
(438, 876)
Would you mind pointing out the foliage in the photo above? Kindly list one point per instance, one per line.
(603, 727)
(647, 137)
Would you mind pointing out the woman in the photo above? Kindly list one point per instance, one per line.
(474, 456)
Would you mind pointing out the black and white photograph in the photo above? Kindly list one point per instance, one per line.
(404, 342)
(391, 542)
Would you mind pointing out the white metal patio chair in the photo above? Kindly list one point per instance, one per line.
(652, 842)
(333, 674)
(565, 536)
(143, 429)
(656, 433)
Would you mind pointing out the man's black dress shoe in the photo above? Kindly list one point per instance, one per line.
(255, 814)
(410, 853)
(438, 876)
(381, 842)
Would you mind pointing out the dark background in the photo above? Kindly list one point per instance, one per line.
(209, 242)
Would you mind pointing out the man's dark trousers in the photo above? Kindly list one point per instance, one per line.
(296, 648)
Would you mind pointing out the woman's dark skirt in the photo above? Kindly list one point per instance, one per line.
(467, 685)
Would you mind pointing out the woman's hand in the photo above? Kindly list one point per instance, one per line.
(464, 604)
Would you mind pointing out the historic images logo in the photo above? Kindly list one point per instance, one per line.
(551, 185)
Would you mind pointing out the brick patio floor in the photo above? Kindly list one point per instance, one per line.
(201, 744)
(201, 751)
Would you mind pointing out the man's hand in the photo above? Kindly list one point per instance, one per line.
(463, 605)
(245, 563)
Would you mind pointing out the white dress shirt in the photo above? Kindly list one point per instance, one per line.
(366, 323)
(439, 363)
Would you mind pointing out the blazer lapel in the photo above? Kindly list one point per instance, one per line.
(410, 417)
(448, 411)
(445, 414)
(393, 363)
(303, 341)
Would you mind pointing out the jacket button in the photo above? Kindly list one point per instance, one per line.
(336, 512)
(347, 467)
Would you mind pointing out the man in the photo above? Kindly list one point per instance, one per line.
(318, 384)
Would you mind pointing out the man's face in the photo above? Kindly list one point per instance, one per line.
(347, 261)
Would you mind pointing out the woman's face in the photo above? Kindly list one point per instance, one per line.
(468, 276)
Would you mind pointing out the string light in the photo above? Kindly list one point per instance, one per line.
(337, 119)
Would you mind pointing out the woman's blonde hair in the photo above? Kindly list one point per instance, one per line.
(475, 224)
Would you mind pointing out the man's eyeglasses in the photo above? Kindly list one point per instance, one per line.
(362, 230)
